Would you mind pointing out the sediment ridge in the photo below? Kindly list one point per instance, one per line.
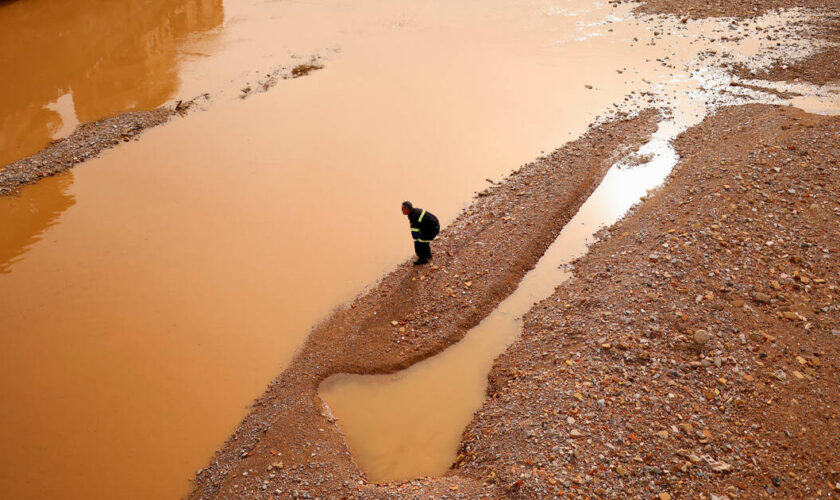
(411, 314)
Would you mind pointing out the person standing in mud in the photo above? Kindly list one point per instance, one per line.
(424, 228)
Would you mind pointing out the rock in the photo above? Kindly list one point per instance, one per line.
(761, 297)
(717, 465)
(664, 496)
(700, 337)
(575, 433)
(780, 374)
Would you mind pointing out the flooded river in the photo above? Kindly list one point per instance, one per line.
(149, 295)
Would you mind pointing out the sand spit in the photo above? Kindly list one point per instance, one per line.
(410, 315)
(90, 139)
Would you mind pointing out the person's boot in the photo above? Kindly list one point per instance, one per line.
(420, 262)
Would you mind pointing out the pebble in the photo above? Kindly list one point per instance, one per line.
(701, 337)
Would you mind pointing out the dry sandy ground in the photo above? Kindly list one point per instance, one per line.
(693, 354)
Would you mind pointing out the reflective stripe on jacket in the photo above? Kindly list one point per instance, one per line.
(424, 225)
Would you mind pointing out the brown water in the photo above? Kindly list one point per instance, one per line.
(149, 295)
(409, 424)
(81, 60)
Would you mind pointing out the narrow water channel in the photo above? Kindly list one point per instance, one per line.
(409, 424)
(150, 294)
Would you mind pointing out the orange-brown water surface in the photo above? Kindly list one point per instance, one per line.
(81, 60)
(149, 295)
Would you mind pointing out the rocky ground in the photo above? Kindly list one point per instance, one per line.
(696, 350)
(694, 354)
(86, 142)
(819, 69)
(289, 444)
(90, 139)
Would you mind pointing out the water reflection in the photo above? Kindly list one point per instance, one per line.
(111, 56)
(25, 218)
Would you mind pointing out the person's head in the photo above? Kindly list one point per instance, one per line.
(406, 207)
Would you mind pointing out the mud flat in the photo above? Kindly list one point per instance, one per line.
(819, 68)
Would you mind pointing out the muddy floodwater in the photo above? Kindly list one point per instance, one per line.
(149, 295)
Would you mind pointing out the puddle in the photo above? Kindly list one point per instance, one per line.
(409, 424)
(162, 285)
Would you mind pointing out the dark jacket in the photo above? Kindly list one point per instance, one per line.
(424, 225)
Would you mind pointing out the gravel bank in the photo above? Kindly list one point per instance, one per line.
(86, 142)
(410, 315)
(696, 351)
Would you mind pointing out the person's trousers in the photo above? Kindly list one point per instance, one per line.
(423, 250)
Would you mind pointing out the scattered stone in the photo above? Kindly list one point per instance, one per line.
(700, 337)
